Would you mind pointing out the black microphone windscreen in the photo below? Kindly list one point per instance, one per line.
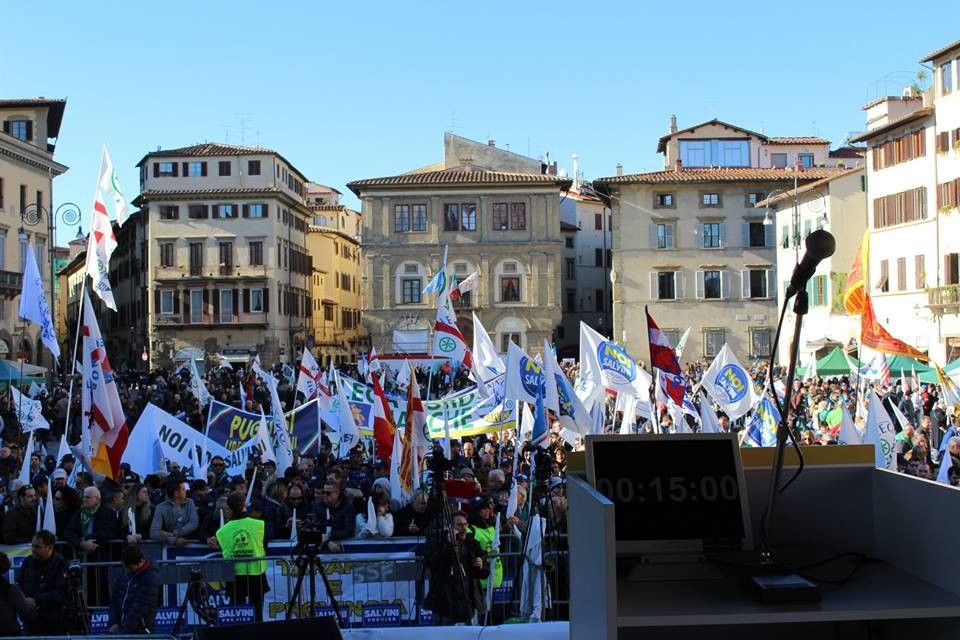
(821, 244)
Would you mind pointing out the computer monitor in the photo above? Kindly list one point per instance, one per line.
(673, 494)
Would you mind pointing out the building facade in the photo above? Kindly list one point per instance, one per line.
(839, 205)
(495, 219)
(338, 332)
(27, 169)
(588, 244)
(689, 243)
(228, 270)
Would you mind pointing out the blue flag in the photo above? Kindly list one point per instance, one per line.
(540, 430)
(762, 430)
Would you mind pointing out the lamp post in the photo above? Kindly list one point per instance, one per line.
(31, 216)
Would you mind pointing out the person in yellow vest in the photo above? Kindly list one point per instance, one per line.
(482, 529)
(242, 537)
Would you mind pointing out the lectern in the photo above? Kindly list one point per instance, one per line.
(907, 587)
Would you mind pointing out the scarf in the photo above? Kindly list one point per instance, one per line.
(86, 516)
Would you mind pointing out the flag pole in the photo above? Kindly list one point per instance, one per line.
(76, 347)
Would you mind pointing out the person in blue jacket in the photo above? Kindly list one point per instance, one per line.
(133, 605)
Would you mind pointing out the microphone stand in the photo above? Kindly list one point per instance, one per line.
(800, 308)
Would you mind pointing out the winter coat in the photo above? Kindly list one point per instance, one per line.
(46, 583)
(102, 528)
(133, 601)
(181, 520)
(453, 595)
(19, 525)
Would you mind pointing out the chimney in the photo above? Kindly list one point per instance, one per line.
(673, 123)
(678, 165)
(552, 168)
(619, 169)
(576, 171)
(491, 143)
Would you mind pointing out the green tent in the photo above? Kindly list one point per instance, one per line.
(834, 363)
(905, 365)
(953, 365)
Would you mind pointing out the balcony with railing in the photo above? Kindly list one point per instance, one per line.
(11, 283)
(944, 300)
(187, 320)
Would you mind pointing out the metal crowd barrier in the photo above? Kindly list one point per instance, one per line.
(358, 580)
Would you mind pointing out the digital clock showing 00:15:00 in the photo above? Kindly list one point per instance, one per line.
(670, 489)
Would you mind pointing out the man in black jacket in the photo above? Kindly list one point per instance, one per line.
(336, 517)
(43, 578)
(92, 526)
(456, 568)
(20, 523)
(133, 602)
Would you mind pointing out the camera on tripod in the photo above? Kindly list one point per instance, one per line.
(74, 574)
(311, 533)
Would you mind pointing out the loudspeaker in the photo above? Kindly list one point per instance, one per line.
(323, 628)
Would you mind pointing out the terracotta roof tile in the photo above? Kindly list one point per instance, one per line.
(849, 152)
(942, 50)
(195, 192)
(726, 174)
(460, 176)
(662, 144)
(780, 197)
(54, 115)
(798, 140)
(327, 207)
(893, 124)
(212, 149)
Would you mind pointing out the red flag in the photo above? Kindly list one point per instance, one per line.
(662, 355)
(383, 423)
(875, 336)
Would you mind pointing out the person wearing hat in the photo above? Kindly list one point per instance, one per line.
(456, 566)
(482, 528)
(59, 478)
(243, 537)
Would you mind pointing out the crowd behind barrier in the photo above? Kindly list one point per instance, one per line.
(94, 517)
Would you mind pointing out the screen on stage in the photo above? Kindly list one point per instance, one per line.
(672, 492)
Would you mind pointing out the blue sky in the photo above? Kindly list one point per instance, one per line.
(363, 89)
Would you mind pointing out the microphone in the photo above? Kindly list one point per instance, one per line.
(820, 245)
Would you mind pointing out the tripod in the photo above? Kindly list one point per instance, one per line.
(199, 598)
(307, 563)
(76, 608)
(541, 506)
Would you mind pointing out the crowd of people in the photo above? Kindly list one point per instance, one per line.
(112, 519)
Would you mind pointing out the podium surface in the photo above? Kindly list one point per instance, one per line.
(908, 587)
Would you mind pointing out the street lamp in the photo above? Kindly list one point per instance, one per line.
(31, 216)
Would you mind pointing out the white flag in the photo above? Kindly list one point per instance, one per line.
(49, 514)
(28, 411)
(811, 371)
(262, 442)
(64, 449)
(848, 430)
(33, 304)
(708, 417)
(681, 343)
(132, 519)
(294, 538)
(110, 184)
(34, 390)
(487, 363)
(197, 387)
(349, 434)
(551, 398)
(525, 376)
(25, 467)
(729, 384)
(880, 434)
(609, 366)
(309, 375)
(100, 245)
(223, 362)
(284, 450)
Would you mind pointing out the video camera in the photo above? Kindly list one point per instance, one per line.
(74, 574)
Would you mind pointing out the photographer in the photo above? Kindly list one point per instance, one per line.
(133, 605)
(43, 578)
(456, 567)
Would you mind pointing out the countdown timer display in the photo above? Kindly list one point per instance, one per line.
(672, 488)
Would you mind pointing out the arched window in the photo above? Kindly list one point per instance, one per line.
(511, 329)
